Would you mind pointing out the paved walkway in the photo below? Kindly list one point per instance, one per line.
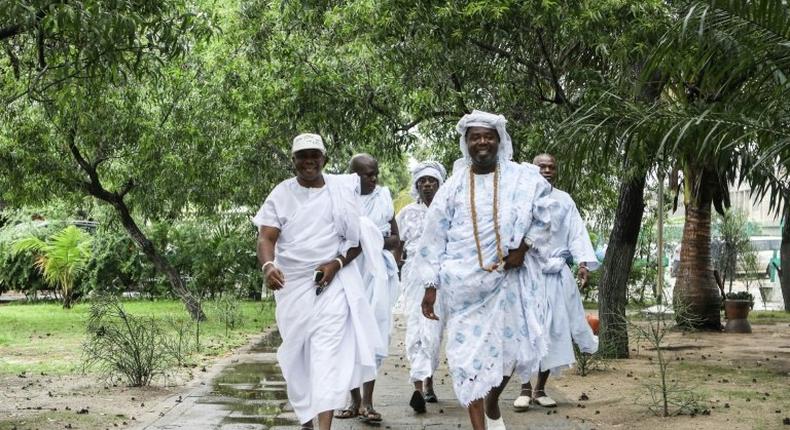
(249, 393)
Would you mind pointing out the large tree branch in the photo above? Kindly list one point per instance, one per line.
(507, 54)
(126, 188)
(94, 185)
(42, 61)
(559, 92)
(459, 89)
(13, 59)
(433, 115)
(10, 31)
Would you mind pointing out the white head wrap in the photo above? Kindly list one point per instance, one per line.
(488, 120)
(427, 168)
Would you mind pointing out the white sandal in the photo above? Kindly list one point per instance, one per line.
(497, 424)
(546, 402)
(521, 404)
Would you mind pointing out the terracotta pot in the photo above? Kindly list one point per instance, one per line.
(737, 314)
(593, 321)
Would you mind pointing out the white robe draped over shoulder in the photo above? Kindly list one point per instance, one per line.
(376, 264)
(565, 318)
(423, 336)
(492, 318)
(329, 340)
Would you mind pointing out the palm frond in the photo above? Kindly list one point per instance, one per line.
(28, 244)
(736, 43)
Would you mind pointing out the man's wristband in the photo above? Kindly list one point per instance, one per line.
(339, 260)
(263, 268)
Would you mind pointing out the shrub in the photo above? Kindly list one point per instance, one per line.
(216, 256)
(17, 270)
(117, 264)
(61, 258)
(228, 310)
(133, 348)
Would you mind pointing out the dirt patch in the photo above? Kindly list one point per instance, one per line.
(741, 381)
(57, 402)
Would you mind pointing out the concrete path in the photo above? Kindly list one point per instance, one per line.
(248, 392)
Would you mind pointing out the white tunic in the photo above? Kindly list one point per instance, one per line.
(565, 317)
(376, 264)
(329, 340)
(492, 320)
(423, 336)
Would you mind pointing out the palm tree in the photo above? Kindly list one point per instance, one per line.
(723, 111)
(60, 259)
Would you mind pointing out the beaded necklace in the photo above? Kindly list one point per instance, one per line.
(472, 204)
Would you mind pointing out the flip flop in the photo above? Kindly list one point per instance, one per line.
(417, 402)
(346, 413)
(521, 404)
(546, 402)
(430, 397)
(369, 415)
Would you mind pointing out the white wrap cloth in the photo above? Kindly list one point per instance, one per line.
(430, 169)
(329, 341)
(423, 336)
(565, 318)
(377, 265)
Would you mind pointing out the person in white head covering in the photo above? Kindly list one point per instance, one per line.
(564, 318)
(308, 237)
(476, 236)
(379, 239)
(423, 336)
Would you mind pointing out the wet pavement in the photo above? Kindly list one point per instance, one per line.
(248, 392)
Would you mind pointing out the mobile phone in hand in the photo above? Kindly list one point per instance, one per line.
(317, 277)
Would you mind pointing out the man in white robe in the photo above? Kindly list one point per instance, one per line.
(379, 239)
(477, 232)
(565, 318)
(308, 236)
(423, 336)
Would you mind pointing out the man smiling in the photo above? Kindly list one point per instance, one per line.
(476, 235)
(308, 235)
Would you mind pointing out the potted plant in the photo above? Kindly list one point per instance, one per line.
(736, 310)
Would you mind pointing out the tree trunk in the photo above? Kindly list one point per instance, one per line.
(95, 188)
(160, 262)
(784, 255)
(696, 297)
(2, 219)
(617, 267)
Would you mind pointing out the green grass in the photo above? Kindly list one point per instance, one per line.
(768, 317)
(46, 338)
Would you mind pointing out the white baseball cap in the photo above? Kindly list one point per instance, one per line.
(308, 141)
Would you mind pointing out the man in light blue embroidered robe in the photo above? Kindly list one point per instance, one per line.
(473, 249)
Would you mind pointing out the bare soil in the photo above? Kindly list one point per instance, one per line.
(742, 382)
(83, 402)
